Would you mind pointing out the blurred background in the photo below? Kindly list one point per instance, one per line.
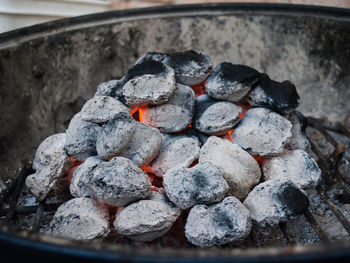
(20, 13)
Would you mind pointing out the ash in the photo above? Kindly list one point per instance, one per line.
(148, 157)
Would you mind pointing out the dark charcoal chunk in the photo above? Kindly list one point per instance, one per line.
(231, 82)
(281, 97)
(191, 68)
(294, 200)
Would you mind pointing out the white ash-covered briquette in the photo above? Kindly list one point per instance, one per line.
(176, 151)
(81, 138)
(80, 183)
(152, 55)
(101, 109)
(50, 163)
(231, 82)
(298, 139)
(191, 68)
(281, 97)
(148, 83)
(147, 220)
(218, 224)
(117, 182)
(173, 116)
(144, 145)
(240, 170)
(215, 117)
(108, 88)
(201, 184)
(115, 135)
(275, 201)
(297, 165)
(262, 132)
(80, 219)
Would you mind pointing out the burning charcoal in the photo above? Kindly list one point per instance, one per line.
(218, 224)
(177, 151)
(239, 168)
(115, 135)
(191, 68)
(147, 220)
(143, 146)
(148, 83)
(50, 163)
(117, 182)
(80, 183)
(215, 118)
(151, 55)
(107, 88)
(231, 82)
(262, 132)
(80, 219)
(298, 139)
(281, 97)
(100, 109)
(275, 201)
(81, 138)
(297, 165)
(201, 184)
(175, 115)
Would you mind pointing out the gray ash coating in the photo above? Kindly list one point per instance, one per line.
(152, 55)
(293, 199)
(115, 135)
(148, 219)
(191, 68)
(281, 97)
(80, 219)
(299, 139)
(107, 88)
(215, 117)
(218, 224)
(117, 182)
(231, 82)
(100, 109)
(149, 67)
(81, 138)
(175, 115)
(275, 201)
(201, 184)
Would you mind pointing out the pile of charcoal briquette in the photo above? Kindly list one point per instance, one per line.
(176, 136)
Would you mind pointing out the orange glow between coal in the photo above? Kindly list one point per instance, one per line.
(75, 164)
(260, 159)
(198, 89)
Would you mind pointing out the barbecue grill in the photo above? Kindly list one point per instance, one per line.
(48, 71)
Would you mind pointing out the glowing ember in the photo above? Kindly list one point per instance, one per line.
(199, 89)
(75, 164)
(260, 159)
